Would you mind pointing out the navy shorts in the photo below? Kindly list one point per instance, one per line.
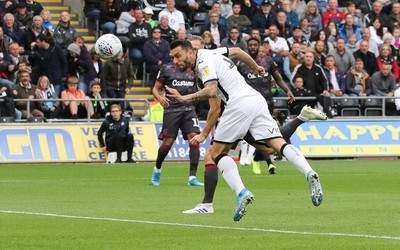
(186, 121)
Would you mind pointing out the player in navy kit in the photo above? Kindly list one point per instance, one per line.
(246, 111)
(176, 116)
(263, 85)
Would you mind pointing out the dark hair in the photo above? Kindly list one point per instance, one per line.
(296, 77)
(185, 44)
(253, 39)
(43, 37)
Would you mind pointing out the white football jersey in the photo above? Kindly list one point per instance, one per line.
(212, 65)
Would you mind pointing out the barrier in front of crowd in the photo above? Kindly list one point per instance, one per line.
(77, 142)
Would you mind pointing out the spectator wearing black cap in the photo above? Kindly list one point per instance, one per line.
(263, 19)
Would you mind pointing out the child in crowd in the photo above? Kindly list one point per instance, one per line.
(72, 107)
(100, 107)
(352, 43)
(300, 91)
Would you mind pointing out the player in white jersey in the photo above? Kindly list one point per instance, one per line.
(245, 110)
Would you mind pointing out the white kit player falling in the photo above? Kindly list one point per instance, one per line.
(245, 111)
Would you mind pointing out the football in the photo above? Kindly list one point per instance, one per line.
(108, 47)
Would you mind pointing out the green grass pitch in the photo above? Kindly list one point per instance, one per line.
(100, 206)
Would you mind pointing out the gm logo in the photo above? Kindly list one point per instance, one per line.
(28, 144)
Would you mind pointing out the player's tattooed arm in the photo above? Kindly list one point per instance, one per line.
(246, 58)
(209, 91)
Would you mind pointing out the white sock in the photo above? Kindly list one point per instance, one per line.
(230, 172)
(192, 177)
(251, 150)
(243, 149)
(295, 156)
(157, 170)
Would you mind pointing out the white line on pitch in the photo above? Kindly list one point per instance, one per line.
(200, 226)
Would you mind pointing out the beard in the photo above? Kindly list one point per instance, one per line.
(183, 67)
(253, 54)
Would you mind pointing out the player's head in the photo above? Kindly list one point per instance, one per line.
(115, 111)
(253, 45)
(182, 54)
(197, 42)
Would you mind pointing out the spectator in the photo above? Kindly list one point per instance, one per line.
(299, 90)
(148, 13)
(306, 28)
(344, 58)
(226, 8)
(13, 60)
(85, 57)
(351, 45)
(348, 28)
(181, 34)
(23, 18)
(372, 46)
(394, 18)
(25, 90)
(357, 80)
(46, 17)
(388, 39)
(248, 8)
(294, 58)
(12, 30)
(358, 16)
(377, 13)
(7, 107)
(95, 67)
(175, 17)
(167, 33)
(76, 66)
(50, 60)
(256, 34)
(109, 14)
(368, 58)
(5, 42)
(72, 107)
(321, 36)
(385, 57)
(139, 32)
(292, 19)
(331, 32)
(234, 40)
(314, 80)
(118, 137)
(336, 80)
(208, 41)
(216, 6)
(156, 53)
(100, 107)
(124, 21)
(34, 7)
(278, 44)
(64, 33)
(117, 85)
(376, 30)
(319, 53)
(299, 6)
(92, 13)
(34, 30)
(45, 91)
(332, 14)
(242, 22)
(384, 84)
(284, 29)
(298, 36)
(264, 18)
(322, 6)
(219, 32)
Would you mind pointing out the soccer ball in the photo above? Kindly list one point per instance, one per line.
(108, 47)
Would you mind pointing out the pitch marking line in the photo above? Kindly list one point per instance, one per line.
(200, 226)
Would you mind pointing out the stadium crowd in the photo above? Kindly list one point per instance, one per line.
(323, 49)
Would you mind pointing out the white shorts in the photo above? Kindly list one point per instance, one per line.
(250, 114)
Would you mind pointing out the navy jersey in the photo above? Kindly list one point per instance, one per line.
(169, 75)
(260, 83)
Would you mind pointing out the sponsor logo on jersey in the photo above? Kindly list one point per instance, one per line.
(205, 71)
(182, 83)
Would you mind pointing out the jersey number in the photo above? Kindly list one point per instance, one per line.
(230, 63)
(196, 122)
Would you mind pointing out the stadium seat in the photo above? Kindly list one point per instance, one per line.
(198, 18)
(373, 107)
(350, 107)
(36, 119)
(195, 30)
(281, 105)
(7, 119)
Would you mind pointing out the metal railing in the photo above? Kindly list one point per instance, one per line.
(124, 103)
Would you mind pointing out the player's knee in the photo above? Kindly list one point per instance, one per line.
(219, 157)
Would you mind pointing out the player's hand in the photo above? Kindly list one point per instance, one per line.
(164, 102)
(197, 139)
(173, 93)
(259, 71)
(291, 98)
(104, 149)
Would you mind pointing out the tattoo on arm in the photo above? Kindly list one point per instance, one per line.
(209, 90)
